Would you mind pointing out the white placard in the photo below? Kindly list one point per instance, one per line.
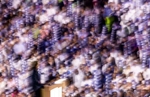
(56, 92)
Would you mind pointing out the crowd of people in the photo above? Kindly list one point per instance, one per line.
(101, 46)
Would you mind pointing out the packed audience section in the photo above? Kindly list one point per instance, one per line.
(101, 46)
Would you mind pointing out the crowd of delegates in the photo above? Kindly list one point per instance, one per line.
(101, 46)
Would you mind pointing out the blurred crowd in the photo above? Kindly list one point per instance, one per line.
(101, 46)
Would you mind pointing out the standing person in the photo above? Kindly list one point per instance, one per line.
(99, 20)
(78, 77)
(19, 47)
(35, 76)
(36, 31)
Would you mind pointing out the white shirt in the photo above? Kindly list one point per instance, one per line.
(24, 39)
(146, 74)
(45, 70)
(104, 68)
(34, 1)
(113, 54)
(136, 70)
(16, 3)
(130, 79)
(146, 8)
(45, 74)
(19, 48)
(43, 18)
(94, 67)
(131, 14)
(141, 26)
(63, 56)
(61, 18)
(139, 11)
(90, 95)
(78, 79)
(78, 61)
(82, 35)
(10, 84)
(45, 1)
(114, 1)
(51, 11)
(61, 71)
(2, 86)
(138, 3)
(22, 83)
(127, 71)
